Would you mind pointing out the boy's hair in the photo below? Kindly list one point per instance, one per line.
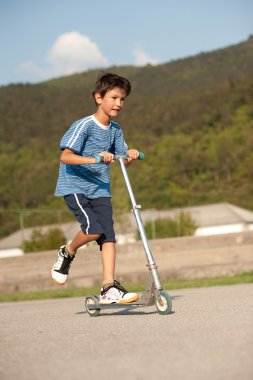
(108, 81)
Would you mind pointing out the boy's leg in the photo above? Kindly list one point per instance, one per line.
(80, 206)
(112, 291)
(79, 240)
(108, 262)
(66, 255)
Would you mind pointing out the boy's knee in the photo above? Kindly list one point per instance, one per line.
(94, 236)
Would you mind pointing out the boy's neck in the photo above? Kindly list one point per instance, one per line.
(102, 118)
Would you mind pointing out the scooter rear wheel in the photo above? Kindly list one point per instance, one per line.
(163, 303)
(92, 306)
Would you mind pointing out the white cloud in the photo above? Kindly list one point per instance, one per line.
(71, 52)
(141, 58)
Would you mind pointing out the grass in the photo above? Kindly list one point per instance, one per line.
(243, 278)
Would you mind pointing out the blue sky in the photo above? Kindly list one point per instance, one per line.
(50, 38)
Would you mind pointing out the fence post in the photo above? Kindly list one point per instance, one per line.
(22, 226)
(153, 228)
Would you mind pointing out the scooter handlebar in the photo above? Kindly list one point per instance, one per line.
(100, 159)
(117, 157)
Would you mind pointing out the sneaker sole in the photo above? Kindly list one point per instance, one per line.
(58, 283)
(56, 280)
(132, 299)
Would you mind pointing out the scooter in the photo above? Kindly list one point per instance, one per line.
(154, 294)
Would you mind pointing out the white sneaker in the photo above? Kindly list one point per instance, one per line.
(116, 294)
(60, 269)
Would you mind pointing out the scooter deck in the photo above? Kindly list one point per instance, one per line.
(100, 306)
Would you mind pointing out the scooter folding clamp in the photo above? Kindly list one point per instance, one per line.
(151, 266)
(136, 207)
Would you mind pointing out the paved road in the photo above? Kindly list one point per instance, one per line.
(209, 335)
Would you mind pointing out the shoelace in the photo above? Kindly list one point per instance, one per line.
(116, 285)
(119, 287)
(65, 261)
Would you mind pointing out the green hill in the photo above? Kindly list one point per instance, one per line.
(193, 119)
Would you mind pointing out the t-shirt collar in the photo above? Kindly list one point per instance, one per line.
(106, 127)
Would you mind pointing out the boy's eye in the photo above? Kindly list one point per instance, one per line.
(116, 97)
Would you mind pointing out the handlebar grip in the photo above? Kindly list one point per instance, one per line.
(100, 159)
(141, 156)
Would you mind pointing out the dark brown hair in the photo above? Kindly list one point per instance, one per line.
(108, 81)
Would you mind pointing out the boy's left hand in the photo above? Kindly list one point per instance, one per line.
(133, 154)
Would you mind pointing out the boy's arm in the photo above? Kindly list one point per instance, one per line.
(133, 154)
(68, 157)
(122, 148)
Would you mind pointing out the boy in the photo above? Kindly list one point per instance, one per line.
(88, 147)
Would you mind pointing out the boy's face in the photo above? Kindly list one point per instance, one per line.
(112, 102)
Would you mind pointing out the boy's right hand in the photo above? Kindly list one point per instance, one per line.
(108, 157)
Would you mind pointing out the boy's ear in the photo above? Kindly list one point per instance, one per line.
(98, 98)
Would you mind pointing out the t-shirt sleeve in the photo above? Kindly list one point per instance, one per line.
(75, 137)
(120, 145)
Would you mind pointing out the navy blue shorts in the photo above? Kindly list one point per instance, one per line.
(94, 216)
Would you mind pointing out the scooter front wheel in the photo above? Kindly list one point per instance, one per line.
(92, 306)
(163, 303)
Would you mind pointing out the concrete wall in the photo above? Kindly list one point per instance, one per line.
(187, 257)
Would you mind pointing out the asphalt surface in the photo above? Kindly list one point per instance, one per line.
(209, 335)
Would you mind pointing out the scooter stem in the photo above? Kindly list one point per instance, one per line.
(151, 263)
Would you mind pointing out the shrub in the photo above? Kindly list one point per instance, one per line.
(182, 225)
(43, 242)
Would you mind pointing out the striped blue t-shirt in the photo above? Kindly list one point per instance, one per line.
(87, 137)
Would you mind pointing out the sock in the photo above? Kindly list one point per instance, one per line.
(68, 251)
(107, 283)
